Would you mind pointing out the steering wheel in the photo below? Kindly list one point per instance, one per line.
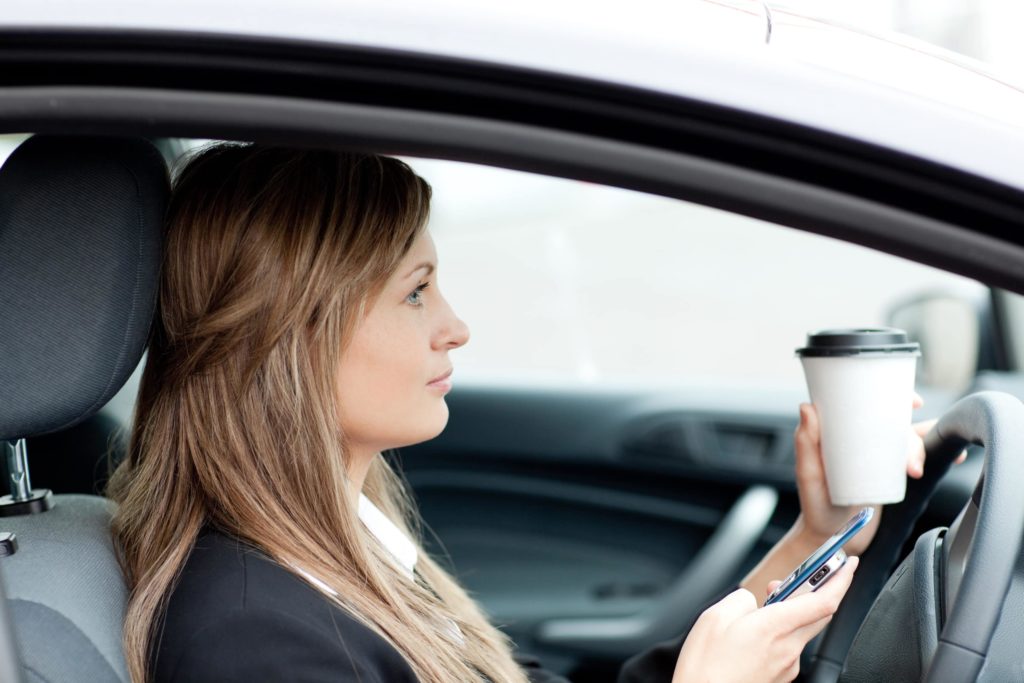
(987, 533)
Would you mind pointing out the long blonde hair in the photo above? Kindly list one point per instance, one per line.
(272, 256)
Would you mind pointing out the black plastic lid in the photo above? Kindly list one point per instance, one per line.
(858, 342)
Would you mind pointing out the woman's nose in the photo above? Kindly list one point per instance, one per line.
(453, 333)
(460, 333)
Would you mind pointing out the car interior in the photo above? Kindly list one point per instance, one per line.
(603, 516)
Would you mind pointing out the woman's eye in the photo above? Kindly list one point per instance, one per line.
(416, 298)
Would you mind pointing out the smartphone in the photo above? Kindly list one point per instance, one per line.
(823, 563)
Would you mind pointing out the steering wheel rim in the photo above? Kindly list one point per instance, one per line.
(995, 421)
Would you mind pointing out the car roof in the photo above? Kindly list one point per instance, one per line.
(885, 90)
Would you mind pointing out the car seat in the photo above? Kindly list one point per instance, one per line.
(80, 249)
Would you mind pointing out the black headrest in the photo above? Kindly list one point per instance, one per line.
(81, 222)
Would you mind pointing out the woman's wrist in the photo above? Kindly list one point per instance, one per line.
(791, 550)
(803, 540)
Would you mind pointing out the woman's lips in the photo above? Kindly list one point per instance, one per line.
(446, 375)
(443, 383)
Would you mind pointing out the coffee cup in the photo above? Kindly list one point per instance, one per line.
(861, 383)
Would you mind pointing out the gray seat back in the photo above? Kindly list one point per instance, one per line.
(65, 593)
(80, 247)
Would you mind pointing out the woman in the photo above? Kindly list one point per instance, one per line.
(300, 327)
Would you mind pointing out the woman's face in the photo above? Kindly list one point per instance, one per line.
(384, 380)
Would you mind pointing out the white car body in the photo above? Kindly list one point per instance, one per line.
(811, 72)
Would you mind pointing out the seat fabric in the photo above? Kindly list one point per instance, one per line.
(68, 622)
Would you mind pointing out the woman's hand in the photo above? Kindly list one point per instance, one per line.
(819, 518)
(734, 640)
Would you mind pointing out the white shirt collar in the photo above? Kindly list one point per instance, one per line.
(394, 540)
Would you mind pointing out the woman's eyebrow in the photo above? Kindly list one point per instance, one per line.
(426, 264)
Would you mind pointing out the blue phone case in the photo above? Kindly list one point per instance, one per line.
(821, 556)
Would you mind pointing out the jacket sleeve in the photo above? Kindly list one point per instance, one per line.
(657, 664)
(247, 645)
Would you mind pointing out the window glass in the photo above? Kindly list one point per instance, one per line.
(1013, 311)
(8, 143)
(568, 281)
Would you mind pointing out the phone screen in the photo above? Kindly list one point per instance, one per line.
(820, 556)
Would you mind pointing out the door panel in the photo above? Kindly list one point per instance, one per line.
(576, 530)
(542, 549)
(593, 524)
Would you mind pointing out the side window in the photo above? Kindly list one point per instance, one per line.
(9, 143)
(568, 281)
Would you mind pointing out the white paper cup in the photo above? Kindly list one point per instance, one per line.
(861, 383)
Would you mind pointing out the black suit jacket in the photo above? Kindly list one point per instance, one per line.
(236, 615)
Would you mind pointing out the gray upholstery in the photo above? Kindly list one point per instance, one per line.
(78, 659)
(81, 226)
(65, 591)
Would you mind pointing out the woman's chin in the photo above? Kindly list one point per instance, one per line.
(441, 422)
(428, 430)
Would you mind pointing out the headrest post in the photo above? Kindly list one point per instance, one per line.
(23, 500)
(17, 469)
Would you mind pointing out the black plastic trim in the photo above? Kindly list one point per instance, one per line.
(771, 197)
(391, 78)
(40, 501)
